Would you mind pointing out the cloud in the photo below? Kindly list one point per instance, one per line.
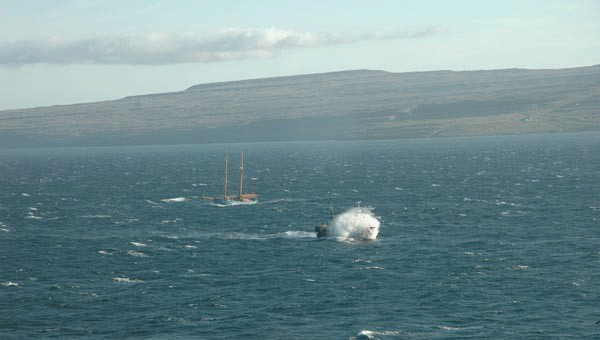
(175, 48)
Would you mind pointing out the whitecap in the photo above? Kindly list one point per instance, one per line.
(25, 194)
(367, 335)
(4, 229)
(9, 284)
(360, 260)
(95, 216)
(139, 244)
(136, 253)
(126, 280)
(175, 199)
(30, 215)
(448, 328)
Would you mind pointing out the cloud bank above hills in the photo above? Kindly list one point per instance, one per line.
(163, 48)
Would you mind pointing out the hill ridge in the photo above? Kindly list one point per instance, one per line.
(352, 104)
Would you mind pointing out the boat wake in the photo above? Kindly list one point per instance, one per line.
(290, 235)
(357, 223)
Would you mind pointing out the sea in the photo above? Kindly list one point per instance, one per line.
(479, 238)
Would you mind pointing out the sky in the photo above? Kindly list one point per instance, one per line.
(63, 52)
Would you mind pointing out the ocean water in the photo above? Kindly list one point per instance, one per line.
(483, 238)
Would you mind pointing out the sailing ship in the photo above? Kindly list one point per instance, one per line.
(228, 198)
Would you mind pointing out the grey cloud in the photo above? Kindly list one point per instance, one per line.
(174, 48)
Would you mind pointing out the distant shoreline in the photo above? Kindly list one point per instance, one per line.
(347, 105)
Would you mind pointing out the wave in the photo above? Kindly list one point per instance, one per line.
(284, 200)
(31, 216)
(231, 203)
(174, 199)
(367, 335)
(126, 280)
(95, 216)
(136, 253)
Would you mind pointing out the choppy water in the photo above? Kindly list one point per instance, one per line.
(479, 238)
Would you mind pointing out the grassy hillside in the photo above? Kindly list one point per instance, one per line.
(342, 105)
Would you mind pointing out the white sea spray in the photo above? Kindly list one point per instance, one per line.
(355, 223)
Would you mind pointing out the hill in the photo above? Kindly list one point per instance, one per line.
(349, 105)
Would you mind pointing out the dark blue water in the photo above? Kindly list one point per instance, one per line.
(495, 237)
